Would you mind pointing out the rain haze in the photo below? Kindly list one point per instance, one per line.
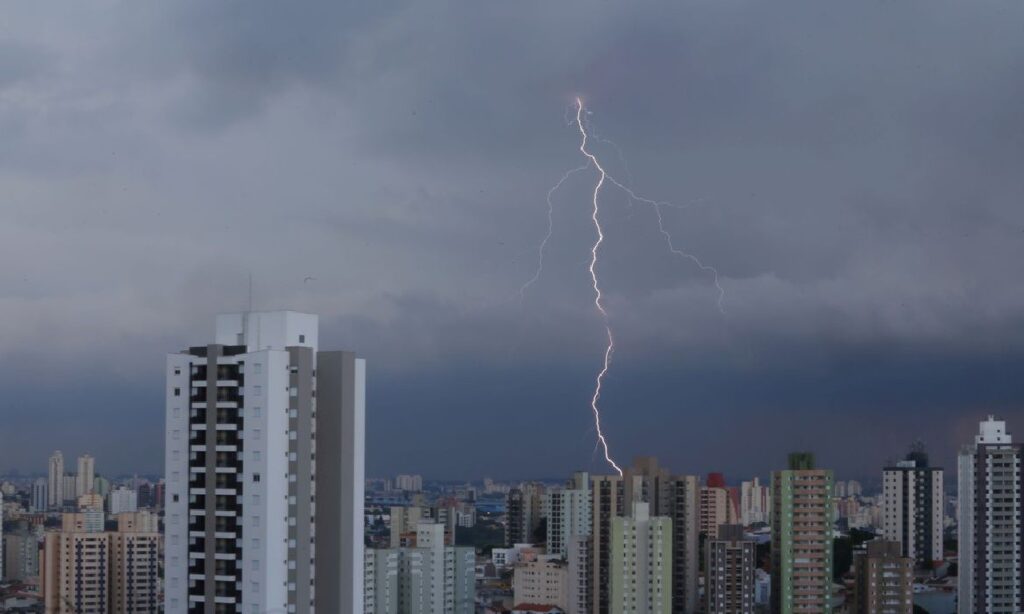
(852, 170)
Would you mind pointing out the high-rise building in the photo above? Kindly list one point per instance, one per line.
(135, 563)
(912, 506)
(755, 502)
(90, 501)
(568, 514)
(730, 562)
(89, 570)
(21, 553)
(883, 579)
(55, 487)
(854, 489)
(523, 507)
(580, 574)
(714, 510)
(70, 488)
(409, 483)
(265, 474)
(990, 482)
(40, 495)
(801, 537)
(101, 486)
(431, 577)
(404, 521)
(123, 499)
(668, 495)
(544, 581)
(641, 563)
(86, 475)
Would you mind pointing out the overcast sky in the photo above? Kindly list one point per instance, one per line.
(852, 170)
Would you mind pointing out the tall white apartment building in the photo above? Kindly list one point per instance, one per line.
(641, 563)
(912, 508)
(86, 475)
(427, 579)
(265, 471)
(55, 484)
(568, 513)
(990, 483)
(755, 502)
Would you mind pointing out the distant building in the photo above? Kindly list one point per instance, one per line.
(542, 582)
(714, 510)
(755, 502)
(409, 483)
(801, 537)
(123, 499)
(101, 486)
(40, 499)
(854, 489)
(90, 501)
(55, 484)
(427, 579)
(70, 489)
(641, 563)
(568, 513)
(912, 506)
(883, 579)
(405, 520)
(21, 554)
(86, 475)
(523, 508)
(990, 483)
(730, 562)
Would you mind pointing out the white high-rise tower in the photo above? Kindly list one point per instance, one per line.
(264, 458)
(989, 484)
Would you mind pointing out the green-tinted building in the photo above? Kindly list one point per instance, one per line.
(641, 563)
(802, 537)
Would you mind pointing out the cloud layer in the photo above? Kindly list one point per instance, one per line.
(851, 169)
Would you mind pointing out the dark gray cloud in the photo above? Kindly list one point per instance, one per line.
(851, 169)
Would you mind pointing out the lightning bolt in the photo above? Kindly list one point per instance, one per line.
(551, 225)
(657, 205)
(604, 177)
(610, 347)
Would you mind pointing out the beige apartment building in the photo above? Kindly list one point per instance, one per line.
(89, 571)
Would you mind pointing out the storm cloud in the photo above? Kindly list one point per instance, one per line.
(852, 170)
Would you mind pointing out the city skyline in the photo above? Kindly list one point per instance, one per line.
(856, 191)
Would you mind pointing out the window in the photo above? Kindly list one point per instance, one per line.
(302, 338)
(177, 370)
(255, 477)
(177, 392)
(257, 390)
(257, 368)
